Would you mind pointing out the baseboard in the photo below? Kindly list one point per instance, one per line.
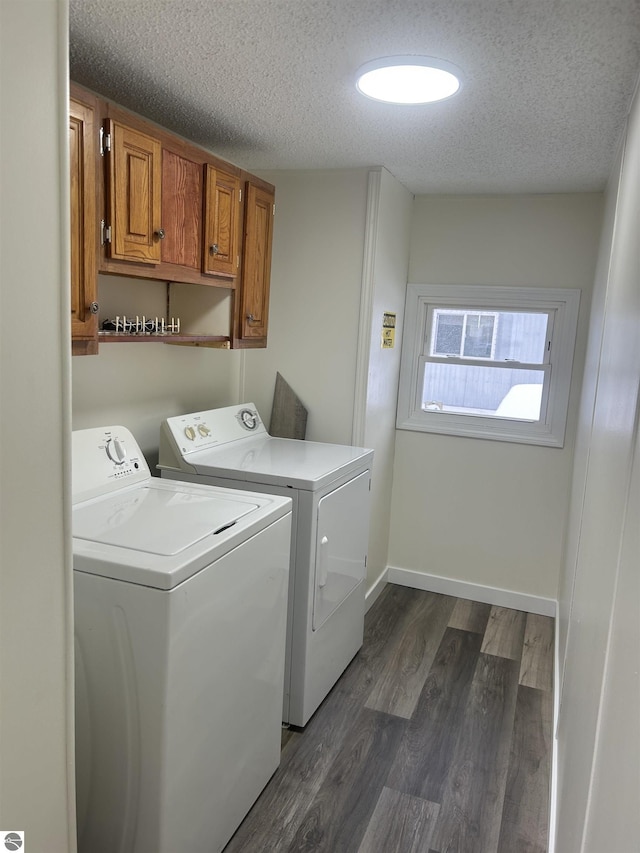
(373, 593)
(474, 592)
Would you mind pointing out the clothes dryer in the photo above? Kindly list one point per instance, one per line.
(330, 488)
(180, 608)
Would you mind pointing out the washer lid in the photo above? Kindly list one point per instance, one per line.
(156, 521)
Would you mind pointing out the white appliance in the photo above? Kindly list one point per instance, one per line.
(180, 611)
(330, 488)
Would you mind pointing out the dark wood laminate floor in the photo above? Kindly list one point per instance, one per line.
(436, 739)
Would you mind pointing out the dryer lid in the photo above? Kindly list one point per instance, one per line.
(269, 460)
(156, 521)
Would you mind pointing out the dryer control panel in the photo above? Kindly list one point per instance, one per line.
(105, 459)
(202, 430)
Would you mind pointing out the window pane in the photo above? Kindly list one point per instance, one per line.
(500, 336)
(521, 336)
(481, 390)
(448, 336)
(478, 338)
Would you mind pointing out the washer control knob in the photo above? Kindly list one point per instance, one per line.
(204, 430)
(190, 433)
(116, 451)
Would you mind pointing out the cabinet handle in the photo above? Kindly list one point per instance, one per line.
(214, 249)
(159, 234)
(251, 318)
(94, 308)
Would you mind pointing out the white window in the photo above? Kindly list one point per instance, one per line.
(488, 362)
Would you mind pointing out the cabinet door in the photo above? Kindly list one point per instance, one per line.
(135, 203)
(256, 262)
(181, 210)
(221, 222)
(83, 143)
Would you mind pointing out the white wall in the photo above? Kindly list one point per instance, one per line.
(585, 412)
(598, 732)
(613, 817)
(139, 384)
(488, 512)
(386, 262)
(340, 260)
(36, 639)
(316, 278)
(316, 293)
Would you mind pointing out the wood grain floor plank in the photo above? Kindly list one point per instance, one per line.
(536, 669)
(328, 794)
(274, 819)
(385, 627)
(470, 615)
(288, 735)
(471, 807)
(305, 761)
(424, 756)
(525, 813)
(505, 633)
(398, 689)
(339, 815)
(400, 824)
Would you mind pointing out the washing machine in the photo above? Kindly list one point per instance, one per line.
(180, 610)
(330, 487)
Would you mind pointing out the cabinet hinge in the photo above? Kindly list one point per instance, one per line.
(105, 233)
(105, 142)
(274, 210)
(239, 196)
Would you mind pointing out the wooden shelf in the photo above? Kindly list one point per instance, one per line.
(119, 337)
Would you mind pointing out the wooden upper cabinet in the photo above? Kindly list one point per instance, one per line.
(134, 194)
(221, 247)
(83, 144)
(181, 210)
(155, 206)
(256, 263)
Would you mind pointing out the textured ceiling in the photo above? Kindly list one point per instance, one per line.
(269, 84)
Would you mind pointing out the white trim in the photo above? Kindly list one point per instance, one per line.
(375, 590)
(366, 310)
(473, 591)
(553, 794)
(62, 47)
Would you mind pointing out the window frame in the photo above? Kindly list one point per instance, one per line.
(423, 300)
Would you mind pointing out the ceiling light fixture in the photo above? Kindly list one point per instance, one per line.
(408, 79)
